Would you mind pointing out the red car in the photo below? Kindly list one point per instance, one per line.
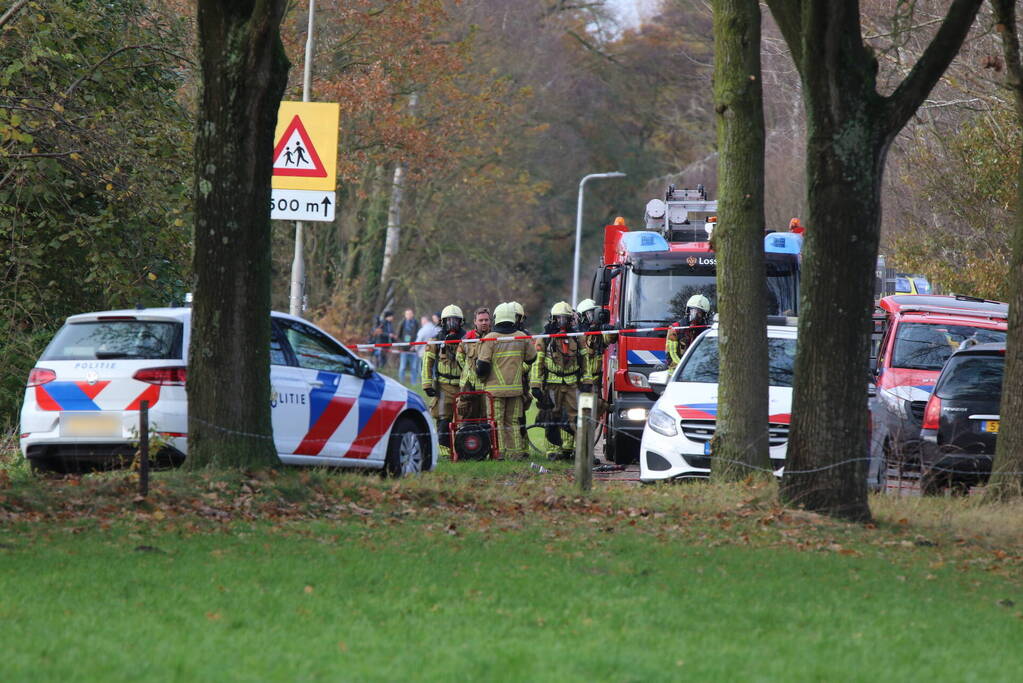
(919, 334)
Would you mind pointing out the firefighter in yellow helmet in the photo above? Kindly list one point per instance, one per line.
(556, 375)
(682, 333)
(499, 369)
(442, 371)
(527, 398)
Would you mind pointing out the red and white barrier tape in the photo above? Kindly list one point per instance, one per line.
(555, 335)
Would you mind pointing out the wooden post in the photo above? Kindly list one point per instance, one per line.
(584, 443)
(144, 449)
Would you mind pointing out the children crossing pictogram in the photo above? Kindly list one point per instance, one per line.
(295, 154)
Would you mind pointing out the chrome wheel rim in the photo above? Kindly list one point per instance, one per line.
(410, 454)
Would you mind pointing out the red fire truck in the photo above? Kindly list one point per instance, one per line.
(645, 279)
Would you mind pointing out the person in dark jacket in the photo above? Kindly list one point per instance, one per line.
(407, 331)
(383, 333)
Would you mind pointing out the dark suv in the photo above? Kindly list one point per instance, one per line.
(960, 422)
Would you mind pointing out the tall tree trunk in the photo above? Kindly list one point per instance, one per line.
(244, 72)
(741, 438)
(393, 239)
(849, 129)
(1006, 481)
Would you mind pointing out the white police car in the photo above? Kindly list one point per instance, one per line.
(328, 406)
(680, 426)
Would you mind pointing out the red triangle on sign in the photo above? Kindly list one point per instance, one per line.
(290, 161)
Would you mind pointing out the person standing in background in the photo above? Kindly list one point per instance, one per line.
(383, 333)
(427, 331)
(407, 333)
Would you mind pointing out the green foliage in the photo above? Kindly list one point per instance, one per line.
(959, 233)
(95, 169)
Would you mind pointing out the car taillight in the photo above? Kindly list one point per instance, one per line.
(166, 376)
(932, 413)
(40, 376)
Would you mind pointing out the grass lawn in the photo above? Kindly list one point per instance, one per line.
(478, 574)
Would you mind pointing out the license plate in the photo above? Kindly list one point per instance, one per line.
(90, 424)
(991, 426)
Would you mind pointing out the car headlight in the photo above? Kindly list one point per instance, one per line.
(633, 414)
(662, 423)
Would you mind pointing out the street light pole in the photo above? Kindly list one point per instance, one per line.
(579, 230)
(298, 264)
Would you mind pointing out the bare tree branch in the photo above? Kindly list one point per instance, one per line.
(902, 103)
(11, 11)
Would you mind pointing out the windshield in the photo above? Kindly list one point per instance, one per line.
(926, 346)
(702, 364)
(660, 295)
(922, 285)
(975, 377)
(116, 339)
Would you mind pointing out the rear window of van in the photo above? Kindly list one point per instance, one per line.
(117, 339)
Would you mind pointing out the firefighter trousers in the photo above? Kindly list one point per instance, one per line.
(566, 403)
(442, 405)
(506, 417)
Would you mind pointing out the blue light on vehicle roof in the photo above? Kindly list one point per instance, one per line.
(783, 243)
(644, 240)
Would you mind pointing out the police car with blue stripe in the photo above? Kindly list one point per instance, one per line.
(328, 406)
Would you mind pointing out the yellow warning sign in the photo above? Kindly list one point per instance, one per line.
(305, 146)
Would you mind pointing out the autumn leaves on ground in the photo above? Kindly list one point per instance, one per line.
(493, 571)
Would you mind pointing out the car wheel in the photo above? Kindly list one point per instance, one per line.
(626, 449)
(933, 483)
(45, 467)
(406, 450)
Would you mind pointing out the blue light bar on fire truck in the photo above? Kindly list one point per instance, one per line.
(644, 241)
(783, 243)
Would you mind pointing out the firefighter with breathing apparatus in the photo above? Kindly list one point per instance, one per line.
(680, 336)
(556, 375)
(442, 371)
(499, 370)
(593, 344)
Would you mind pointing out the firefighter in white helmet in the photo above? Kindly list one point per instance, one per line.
(468, 352)
(556, 375)
(682, 333)
(442, 371)
(499, 369)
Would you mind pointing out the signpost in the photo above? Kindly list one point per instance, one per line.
(304, 173)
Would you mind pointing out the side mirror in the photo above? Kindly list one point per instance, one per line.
(363, 369)
(604, 288)
(659, 380)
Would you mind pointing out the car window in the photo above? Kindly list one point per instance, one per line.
(315, 350)
(922, 285)
(278, 356)
(902, 286)
(974, 377)
(926, 346)
(702, 365)
(110, 339)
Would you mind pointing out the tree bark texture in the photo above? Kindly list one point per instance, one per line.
(244, 72)
(1006, 481)
(849, 130)
(393, 240)
(741, 443)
